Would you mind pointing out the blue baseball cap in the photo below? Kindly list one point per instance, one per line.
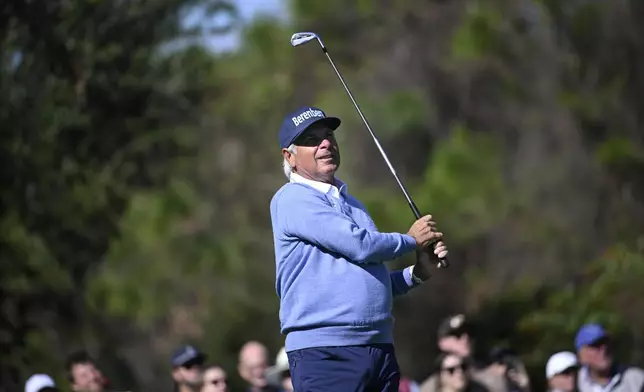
(589, 334)
(186, 354)
(298, 121)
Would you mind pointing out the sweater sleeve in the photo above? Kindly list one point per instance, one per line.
(401, 282)
(309, 217)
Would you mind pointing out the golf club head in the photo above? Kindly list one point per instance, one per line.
(304, 37)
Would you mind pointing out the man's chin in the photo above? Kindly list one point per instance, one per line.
(330, 167)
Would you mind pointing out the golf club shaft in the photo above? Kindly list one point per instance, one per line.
(443, 263)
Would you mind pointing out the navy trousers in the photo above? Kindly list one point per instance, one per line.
(371, 368)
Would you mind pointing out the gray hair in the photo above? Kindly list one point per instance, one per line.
(287, 166)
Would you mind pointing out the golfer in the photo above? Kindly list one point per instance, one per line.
(335, 291)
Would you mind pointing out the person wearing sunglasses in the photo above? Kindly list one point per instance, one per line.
(561, 372)
(336, 293)
(215, 379)
(600, 371)
(452, 375)
(187, 369)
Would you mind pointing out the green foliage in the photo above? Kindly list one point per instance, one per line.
(465, 182)
(609, 294)
(618, 151)
(401, 113)
(87, 102)
(164, 254)
(478, 35)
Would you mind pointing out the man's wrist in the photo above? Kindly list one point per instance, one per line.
(414, 277)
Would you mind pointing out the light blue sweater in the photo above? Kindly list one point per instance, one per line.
(333, 287)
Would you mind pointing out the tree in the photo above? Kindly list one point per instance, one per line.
(91, 110)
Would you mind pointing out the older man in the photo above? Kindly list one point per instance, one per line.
(253, 362)
(335, 292)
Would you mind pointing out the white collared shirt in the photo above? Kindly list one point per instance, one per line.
(327, 189)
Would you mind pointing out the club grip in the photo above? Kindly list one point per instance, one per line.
(442, 263)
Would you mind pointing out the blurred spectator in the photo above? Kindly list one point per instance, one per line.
(454, 337)
(505, 364)
(215, 379)
(187, 364)
(253, 362)
(600, 372)
(561, 372)
(451, 375)
(83, 373)
(40, 383)
(279, 375)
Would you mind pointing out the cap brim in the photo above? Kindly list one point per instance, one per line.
(603, 336)
(453, 331)
(331, 122)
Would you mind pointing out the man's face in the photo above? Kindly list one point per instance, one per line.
(597, 356)
(457, 342)
(86, 378)
(564, 381)
(253, 365)
(318, 155)
(189, 374)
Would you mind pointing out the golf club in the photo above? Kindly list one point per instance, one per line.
(304, 37)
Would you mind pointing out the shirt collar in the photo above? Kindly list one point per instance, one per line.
(337, 189)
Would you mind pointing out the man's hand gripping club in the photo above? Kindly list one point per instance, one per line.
(425, 233)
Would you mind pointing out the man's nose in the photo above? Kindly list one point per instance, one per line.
(326, 142)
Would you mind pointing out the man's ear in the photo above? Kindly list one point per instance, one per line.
(290, 157)
(175, 374)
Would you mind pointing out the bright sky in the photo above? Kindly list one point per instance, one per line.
(248, 9)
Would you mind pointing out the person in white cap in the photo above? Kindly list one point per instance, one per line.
(279, 374)
(40, 383)
(561, 372)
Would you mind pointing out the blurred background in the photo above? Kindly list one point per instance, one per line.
(139, 156)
